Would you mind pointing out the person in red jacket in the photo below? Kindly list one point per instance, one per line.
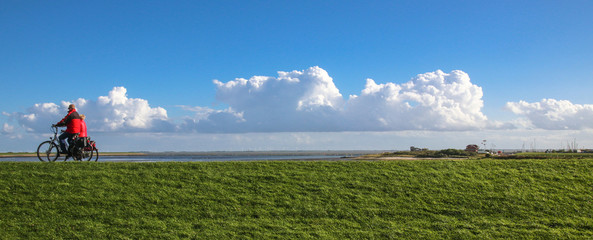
(72, 123)
(82, 126)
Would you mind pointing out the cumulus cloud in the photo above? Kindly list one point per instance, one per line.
(36, 115)
(296, 101)
(553, 114)
(430, 101)
(114, 112)
(118, 112)
(308, 100)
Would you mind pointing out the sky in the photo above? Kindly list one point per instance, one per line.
(299, 75)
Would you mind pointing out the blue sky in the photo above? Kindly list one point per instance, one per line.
(168, 53)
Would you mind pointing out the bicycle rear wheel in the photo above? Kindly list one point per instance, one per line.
(87, 154)
(48, 151)
(96, 155)
(94, 151)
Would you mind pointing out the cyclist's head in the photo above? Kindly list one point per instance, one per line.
(71, 107)
(82, 116)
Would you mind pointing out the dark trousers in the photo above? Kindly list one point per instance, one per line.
(63, 138)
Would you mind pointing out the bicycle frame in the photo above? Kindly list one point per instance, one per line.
(55, 137)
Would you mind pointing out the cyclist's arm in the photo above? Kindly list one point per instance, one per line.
(64, 120)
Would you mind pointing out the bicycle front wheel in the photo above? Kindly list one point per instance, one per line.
(48, 151)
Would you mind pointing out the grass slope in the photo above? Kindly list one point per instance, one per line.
(291, 199)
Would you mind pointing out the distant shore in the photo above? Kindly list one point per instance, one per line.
(345, 153)
(13, 155)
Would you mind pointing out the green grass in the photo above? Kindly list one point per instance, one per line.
(445, 153)
(463, 199)
(561, 155)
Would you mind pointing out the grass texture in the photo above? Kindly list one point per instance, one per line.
(428, 199)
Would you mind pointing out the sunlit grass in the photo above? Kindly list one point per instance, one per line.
(298, 199)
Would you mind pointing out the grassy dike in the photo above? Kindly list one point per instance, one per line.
(298, 199)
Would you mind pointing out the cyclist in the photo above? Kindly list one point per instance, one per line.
(82, 126)
(72, 122)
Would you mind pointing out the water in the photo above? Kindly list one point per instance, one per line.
(212, 157)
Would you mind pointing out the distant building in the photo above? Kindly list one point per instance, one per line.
(472, 148)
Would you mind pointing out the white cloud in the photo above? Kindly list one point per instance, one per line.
(308, 100)
(294, 101)
(118, 112)
(207, 118)
(430, 101)
(305, 110)
(115, 112)
(553, 114)
(38, 117)
(7, 129)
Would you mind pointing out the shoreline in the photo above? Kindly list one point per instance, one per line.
(16, 155)
(344, 153)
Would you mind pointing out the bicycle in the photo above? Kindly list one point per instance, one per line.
(80, 148)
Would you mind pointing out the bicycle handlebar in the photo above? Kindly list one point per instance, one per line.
(54, 128)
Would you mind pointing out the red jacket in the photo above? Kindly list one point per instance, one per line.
(82, 129)
(71, 121)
